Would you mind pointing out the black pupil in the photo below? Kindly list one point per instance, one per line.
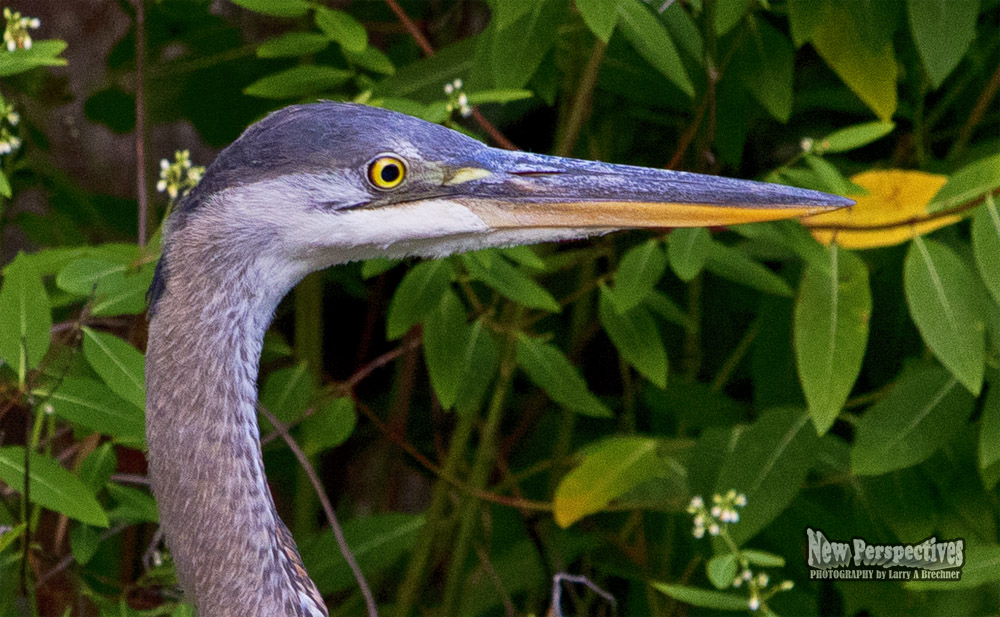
(389, 173)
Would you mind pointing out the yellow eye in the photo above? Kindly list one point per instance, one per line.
(386, 172)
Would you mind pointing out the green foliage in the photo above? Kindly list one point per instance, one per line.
(839, 375)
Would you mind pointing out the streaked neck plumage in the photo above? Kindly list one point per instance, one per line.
(232, 552)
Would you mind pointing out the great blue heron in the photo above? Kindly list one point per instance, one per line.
(315, 185)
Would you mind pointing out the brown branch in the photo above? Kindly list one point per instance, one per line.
(324, 501)
(982, 104)
(425, 45)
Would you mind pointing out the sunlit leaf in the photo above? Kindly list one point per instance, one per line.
(599, 15)
(925, 409)
(733, 264)
(480, 360)
(131, 506)
(276, 8)
(939, 291)
(851, 137)
(688, 249)
(608, 470)
(870, 73)
(650, 38)
(377, 542)
(831, 333)
(372, 59)
(52, 487)
(728, 13)
(640, 269)
(830, 178)
(120, 365)
(297, 82)
(804, 16)
(42, 53)
(25, 317)
(417, 295)
(518, 48)
(768, 464)
(986, 245)
(887, 215)
(635, 336)
(942, 31)
(498, 96)
(549, 369)
(5, 189)
(93, 405)
(293, 44)
(10, 534)
(704, 598)
(446, 332)
(763, 558)
(95, 470)
(989, 437)
(342, 28)
(968, 183)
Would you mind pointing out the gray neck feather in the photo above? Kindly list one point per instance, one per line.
(232, 553)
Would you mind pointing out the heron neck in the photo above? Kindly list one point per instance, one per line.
(233, 554)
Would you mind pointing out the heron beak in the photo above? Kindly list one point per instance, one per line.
(522, 190)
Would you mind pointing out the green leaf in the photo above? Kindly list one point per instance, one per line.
(372, 59)
(507, 12)
(297, 82)
(10, 535)
(425, 78)
(942, 31)
(704, 597)
(276, 8)
(132, 506)
(649, 37)
(25, 317)
(600, 16)
(480, 361)
(851, 137)
(829, 177)
(733, 264)
(498, 96)
(121, 366)
(118, 287)
(939, 290)
(52, 487)
(83, 542)
(728, 13)
(42, 53)
(790, 234)
(93, 405)
(986, 245)
(446, 332)
(524, 255)
(342, 28)
(804, 16)
(491, 268)
(377, 542)
(373, 267)
(764, 65)
(982, 565)
(549, 369)
(288, 391)
(763, 558)
(608, 470)
(721, 570)
(870, 73)
(924, 410)
(831, 333)
(5, 189)
(635, 336)
(768, 464)
(663, 306)
(330, 426)
(640, 269)
(968, 183)
(95, 470)
(688, 248)
(293, 44)
(989, 436)
(418, 294)
(517, 49)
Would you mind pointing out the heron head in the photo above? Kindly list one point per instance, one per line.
(313, 185)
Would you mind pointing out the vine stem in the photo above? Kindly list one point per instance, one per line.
(485, 455)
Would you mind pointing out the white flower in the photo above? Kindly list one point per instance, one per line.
(741, 500)
(762, 580)
(806, 144)
(457, 83)
(696, 502)
(48, 409)
(754, 603)
(786, 585)
(713, 529)
(161, 186)
(164, 164)
(716, 511)
(699, 532)
(747, 575)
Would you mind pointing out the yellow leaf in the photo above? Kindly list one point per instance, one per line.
(893, 211)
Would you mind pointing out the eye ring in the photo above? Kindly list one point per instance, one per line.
(386, 172)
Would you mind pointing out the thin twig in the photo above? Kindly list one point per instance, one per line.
(140, 118)
(425, 45)
(66, 561)
(982, 104)
(331, 516)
